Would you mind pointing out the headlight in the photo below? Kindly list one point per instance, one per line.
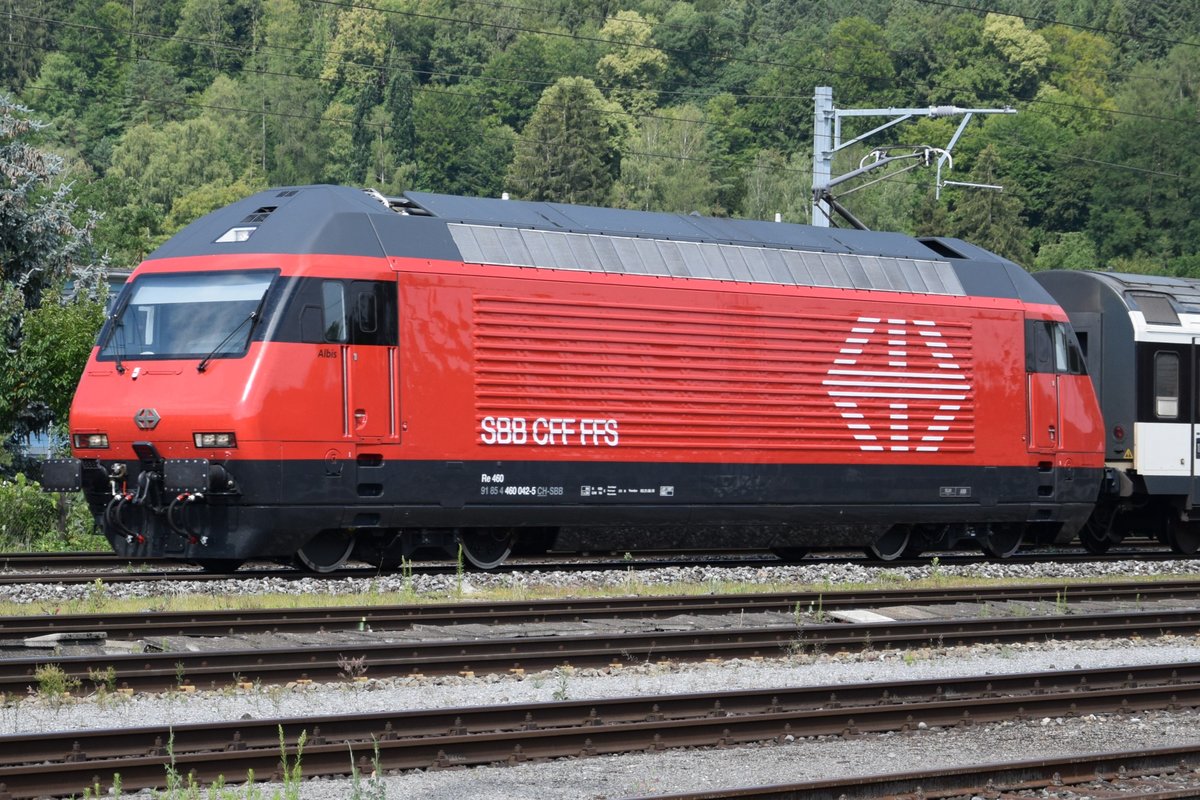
(215, 440)
(90, 441)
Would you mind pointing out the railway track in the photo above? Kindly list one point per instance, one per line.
(65, 763)
(1159, 774)
(85, 568)
(471, 655)
(1054, 598)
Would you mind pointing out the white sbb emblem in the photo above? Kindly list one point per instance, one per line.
(897, 385)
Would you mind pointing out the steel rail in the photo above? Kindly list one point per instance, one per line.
(1053, 775)
(65, 762)
(165, 670)
(399, 617)
(31, 567)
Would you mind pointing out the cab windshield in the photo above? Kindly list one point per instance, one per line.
(186, 315)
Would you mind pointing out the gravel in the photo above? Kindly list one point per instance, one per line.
(715, 575)
(681, 770)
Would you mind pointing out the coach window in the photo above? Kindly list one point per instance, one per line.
(1157, 309)
(1166, 385)
(333, 302)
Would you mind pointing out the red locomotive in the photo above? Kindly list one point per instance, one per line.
(322, 372)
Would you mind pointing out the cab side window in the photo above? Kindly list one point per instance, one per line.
(333, 311)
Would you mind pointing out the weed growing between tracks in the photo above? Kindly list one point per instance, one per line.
(375, 788)
(54, 684)
(186, 787)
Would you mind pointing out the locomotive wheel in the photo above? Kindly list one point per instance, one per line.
(1183, 537)
(891, 545)
(791, 555)
(1095, 545)
(326, 552)
(486, 548)
(1099, 534)
(219, 565)
(1002, 540)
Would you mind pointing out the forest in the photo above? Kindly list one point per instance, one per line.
(123, 120)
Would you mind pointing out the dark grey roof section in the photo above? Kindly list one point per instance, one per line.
(1145, 293)
(306, 219)
(338, 220)
(629, 255)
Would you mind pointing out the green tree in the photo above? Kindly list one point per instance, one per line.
(776, 184)
(667, 167)
(80, 85)
(1026, 53)
(860, 65)
(457, 150)
(41, 250)
(989, 218)
(357, 52)
(513, 79)
(1148, 205)
(29, 32)
(213, 37)
(632, 69)
(288, 93)
(571, 149)
(1067, 251)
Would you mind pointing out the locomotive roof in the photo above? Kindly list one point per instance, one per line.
(339, 220)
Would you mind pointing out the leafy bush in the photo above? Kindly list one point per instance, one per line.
(31, 519)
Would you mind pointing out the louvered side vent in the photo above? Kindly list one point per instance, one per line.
(728, 380)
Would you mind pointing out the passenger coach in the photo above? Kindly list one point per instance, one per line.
(316, 371)
(1140, 335)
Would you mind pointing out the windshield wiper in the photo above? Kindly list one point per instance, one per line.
(113, 325)
(251, 318)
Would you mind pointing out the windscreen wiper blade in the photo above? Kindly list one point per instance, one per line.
(251, 318)
(112, 330)
(204, 361)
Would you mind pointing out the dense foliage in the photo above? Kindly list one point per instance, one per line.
(166, 110)
(159, 112)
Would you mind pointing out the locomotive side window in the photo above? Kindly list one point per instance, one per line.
(1166, 385)
(1051, 348)
(333, 300)
(1068, 360)
(364, 315)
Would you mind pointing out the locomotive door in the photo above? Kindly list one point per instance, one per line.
(1045, 426)
(370, 362)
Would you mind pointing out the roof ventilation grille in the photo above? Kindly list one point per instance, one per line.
(941, 248)
(258, 216)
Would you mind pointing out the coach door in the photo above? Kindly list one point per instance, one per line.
(1194, 420)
